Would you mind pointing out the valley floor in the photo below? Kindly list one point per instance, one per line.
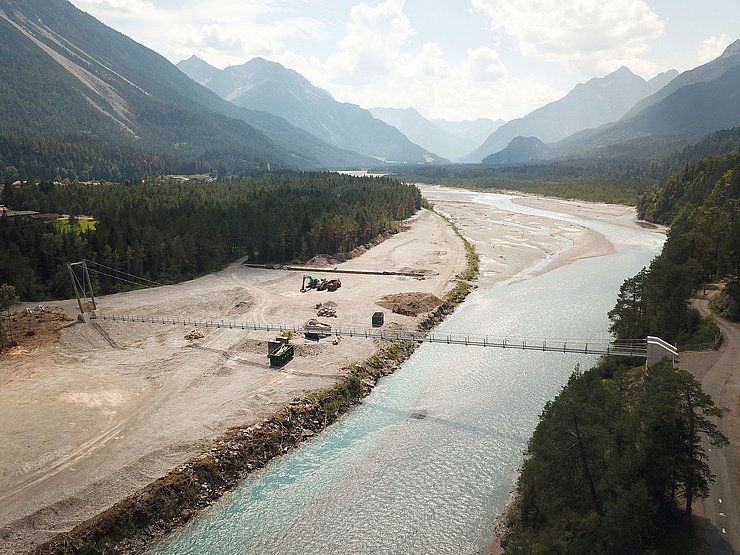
(98, 412)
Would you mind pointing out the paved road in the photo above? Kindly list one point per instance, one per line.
(719, 373)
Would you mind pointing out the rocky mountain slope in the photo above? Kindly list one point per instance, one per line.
(588, 105)
(270, 87)
(67, 77)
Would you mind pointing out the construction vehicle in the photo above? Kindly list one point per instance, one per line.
(315, 329)
(333, 284)
(321, 285)
(309, 283)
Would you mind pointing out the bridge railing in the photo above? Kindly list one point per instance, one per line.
(629, 348)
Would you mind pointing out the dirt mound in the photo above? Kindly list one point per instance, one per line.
(193, 335)
(31, 328)
(323, 261)
(410, 304)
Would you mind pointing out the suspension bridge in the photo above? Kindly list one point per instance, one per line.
(630, 348)
(653, 349)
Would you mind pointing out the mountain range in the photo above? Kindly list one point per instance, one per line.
(270, 87)
(449, 139)
(588, 105)
(78, 98)
(697, 102)
(66, 76)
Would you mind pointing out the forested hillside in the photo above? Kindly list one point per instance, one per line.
(697, 184)
(85, 158)
(167, 231)
(702, 204)
(620, 454)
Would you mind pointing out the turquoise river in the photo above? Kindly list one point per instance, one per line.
(425, 464)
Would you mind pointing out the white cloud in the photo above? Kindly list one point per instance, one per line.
(483, 63)
(592, 36)
(374, 40)
(712, 48)
(479, 85)
(133, 7)
(376, 66)
(211, 36)
(235, 33)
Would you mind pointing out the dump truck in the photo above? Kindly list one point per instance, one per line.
(333, 284)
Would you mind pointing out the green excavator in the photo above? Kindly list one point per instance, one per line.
(309, 283)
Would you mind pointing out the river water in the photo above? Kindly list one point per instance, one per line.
(424, 465)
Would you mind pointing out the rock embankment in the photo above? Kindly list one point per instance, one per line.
(726, 306)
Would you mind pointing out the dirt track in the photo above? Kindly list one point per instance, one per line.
(105, 410)
(719, 373)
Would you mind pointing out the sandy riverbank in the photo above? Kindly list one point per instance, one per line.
(515, 246)
(92, 417)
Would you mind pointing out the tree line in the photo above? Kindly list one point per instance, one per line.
(702, 205)
(85, 157)
(166, 231)
(617, 178)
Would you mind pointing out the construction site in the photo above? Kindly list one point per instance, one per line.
(93, 411)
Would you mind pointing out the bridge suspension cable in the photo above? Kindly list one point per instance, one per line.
(133, 279)
(633, 348)
(636, 348)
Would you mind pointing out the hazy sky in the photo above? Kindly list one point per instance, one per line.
(452, 59)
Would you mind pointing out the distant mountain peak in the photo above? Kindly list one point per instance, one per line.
(199, 70)
(259, 61)
(520, 149)
(732, 50)
(591, 104)
(196, 61)
(449, 140)
(270, 87)
(668, 74)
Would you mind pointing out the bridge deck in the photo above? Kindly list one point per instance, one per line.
(630, 348)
